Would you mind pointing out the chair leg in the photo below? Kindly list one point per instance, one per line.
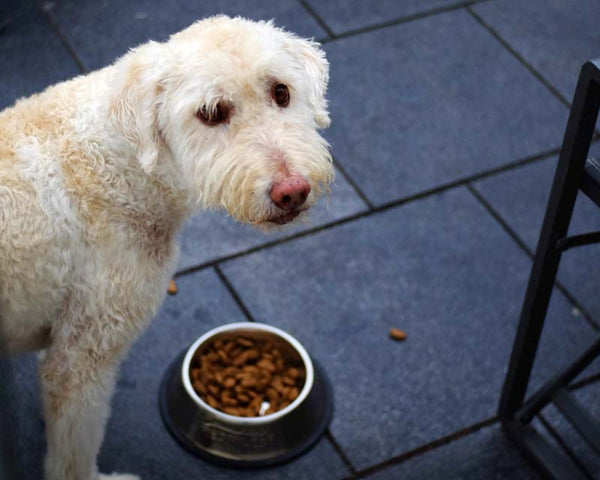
(577, 140)
(531, 322)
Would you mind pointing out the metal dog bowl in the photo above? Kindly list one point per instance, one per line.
(246, 441)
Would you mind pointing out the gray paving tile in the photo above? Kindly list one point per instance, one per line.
(22, 405)
(346, 15)
(555, 37)
(102, 31)
(136, 440)
(588, 396)
(211, 235)
(31, 55)
(483, 454)
(440, 268)
(520, 197)
(432, 101)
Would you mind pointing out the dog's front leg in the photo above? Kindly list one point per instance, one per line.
(77, 379)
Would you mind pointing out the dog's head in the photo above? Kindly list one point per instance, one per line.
(235, 106)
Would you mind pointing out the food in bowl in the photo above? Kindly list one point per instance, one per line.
(245, 377)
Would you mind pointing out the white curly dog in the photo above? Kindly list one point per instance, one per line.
(98, 173)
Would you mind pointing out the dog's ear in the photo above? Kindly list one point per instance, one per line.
(313, 61)
(135, 103)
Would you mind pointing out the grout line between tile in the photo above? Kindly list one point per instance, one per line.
(234, 293)
(63, 39)
(354, 185)
(499, 219)
(400, 20)
(336, 446)
(504, 224)
(566, 449)
(263, 246)
(472, 178)
(377, 209)
(311, 11)
(423, 449)
(518, 56)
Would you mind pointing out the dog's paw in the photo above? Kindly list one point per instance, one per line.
(118, 476)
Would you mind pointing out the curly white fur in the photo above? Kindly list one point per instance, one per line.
(97, 174)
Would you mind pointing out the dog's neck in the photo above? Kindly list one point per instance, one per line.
(110, 188)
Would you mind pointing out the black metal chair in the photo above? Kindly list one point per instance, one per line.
(574, 173)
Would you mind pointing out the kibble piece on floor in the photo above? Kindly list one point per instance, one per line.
(172, 289)
(397, 334)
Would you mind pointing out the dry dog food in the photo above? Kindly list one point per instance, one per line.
(172, 288)
(397, 334)
(245, 377)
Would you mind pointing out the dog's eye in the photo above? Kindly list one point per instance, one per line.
(216, 115)
(281, 94)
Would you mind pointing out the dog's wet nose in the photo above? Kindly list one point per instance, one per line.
(289, 193)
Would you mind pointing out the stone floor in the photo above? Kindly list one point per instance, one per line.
(447, 121)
